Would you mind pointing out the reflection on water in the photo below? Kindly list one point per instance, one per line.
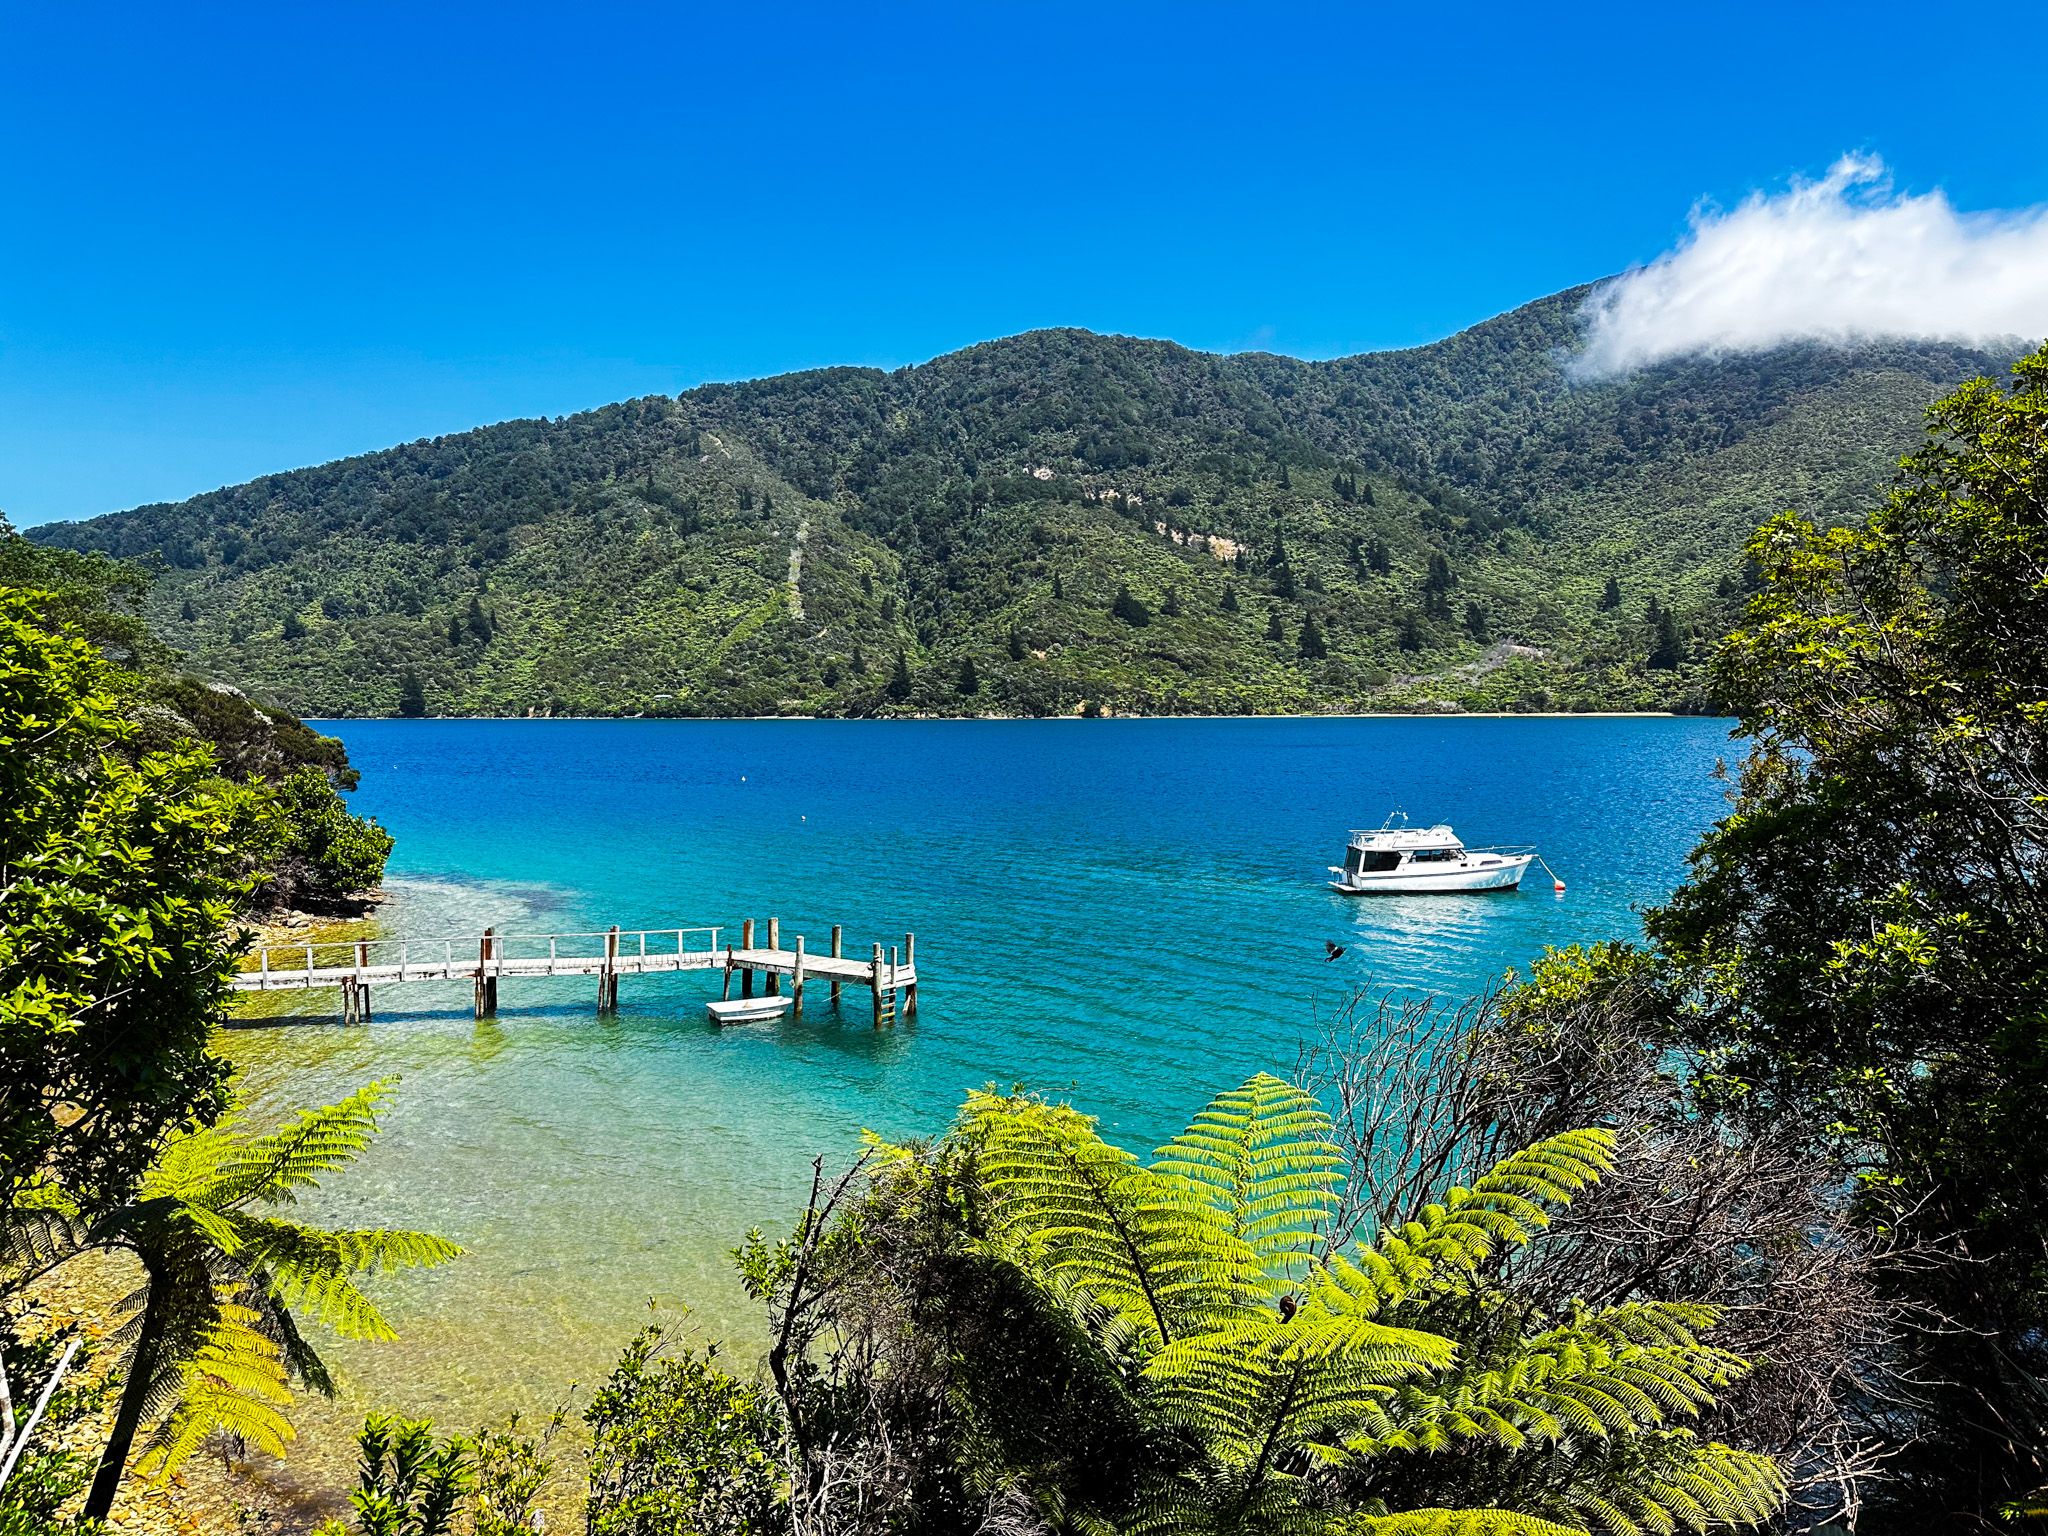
(1130, 912)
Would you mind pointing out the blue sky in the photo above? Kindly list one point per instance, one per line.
(235, 239)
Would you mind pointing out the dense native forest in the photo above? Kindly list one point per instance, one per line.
(1054, 523)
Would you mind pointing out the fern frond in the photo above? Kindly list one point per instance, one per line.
(1675, 1482)
(1262, 1156)
(271, 1168)
(1453, 1522)
(313, 1269)
(234, 1380)
(1507, 1207)
(1086, 1216)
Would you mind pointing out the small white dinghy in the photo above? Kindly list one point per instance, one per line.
(747, 1010)
(1400, 860)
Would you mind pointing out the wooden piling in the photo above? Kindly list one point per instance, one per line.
(910, 963)
(747, 942)
(486, 981)
(796, 980)
(774, 942)
(608, 978)
(835, 956)
(875, 982)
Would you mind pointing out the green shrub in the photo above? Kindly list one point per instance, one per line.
(678, 1445)
(322, 848)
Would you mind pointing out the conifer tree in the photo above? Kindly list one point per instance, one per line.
(899, 679)
(1016, 644)
(1130, 608)
(1171, 607)
(1311, 644)
(969, 682)
(1667, 646)
(1436, 588)
(1611, 598)
(412, 695)
(1275, 630)
(1229, 603)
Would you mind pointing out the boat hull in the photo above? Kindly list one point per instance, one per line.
(1499, 875)
(748, 1010)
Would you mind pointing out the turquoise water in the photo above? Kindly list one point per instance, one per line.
(1129, 912)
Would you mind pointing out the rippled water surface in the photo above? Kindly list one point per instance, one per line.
(1130, 912)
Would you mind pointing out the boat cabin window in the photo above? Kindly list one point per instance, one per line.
(1435, 855)
(1370, 861)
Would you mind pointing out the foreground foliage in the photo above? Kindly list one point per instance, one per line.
(217, 1344)
(1863, 944)
(678, 1444)
(1025, 1320)
(120, 878)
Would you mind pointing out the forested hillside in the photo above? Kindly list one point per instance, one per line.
(1050, 523)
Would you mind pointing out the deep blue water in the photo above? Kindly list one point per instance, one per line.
(1129, 912)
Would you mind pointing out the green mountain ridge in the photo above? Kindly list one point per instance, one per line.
(1054, 522)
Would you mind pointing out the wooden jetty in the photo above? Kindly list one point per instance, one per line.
(357, 966)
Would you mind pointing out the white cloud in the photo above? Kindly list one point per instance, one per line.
(1839, 259)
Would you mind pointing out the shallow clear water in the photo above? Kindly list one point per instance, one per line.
(1130, 912)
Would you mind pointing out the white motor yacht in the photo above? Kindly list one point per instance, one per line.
(1400, 860)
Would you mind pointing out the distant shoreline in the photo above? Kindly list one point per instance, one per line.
(1387, 714)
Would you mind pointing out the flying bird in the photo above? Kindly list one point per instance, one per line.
(1336, 951)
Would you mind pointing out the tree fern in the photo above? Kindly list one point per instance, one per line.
(1297, 1376)
(215, 1344)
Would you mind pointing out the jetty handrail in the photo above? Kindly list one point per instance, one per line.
(481, 951)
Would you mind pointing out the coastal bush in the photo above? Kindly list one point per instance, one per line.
(408, 1483)
(322, 848)
(1862, 944)
(1023, 1322)
(1739, 1218)
(120, 882)
(411, 1483)
(680, 1446)
(317, 852)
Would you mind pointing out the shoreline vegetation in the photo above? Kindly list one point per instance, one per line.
(1449, 714)
(1736, 1223)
